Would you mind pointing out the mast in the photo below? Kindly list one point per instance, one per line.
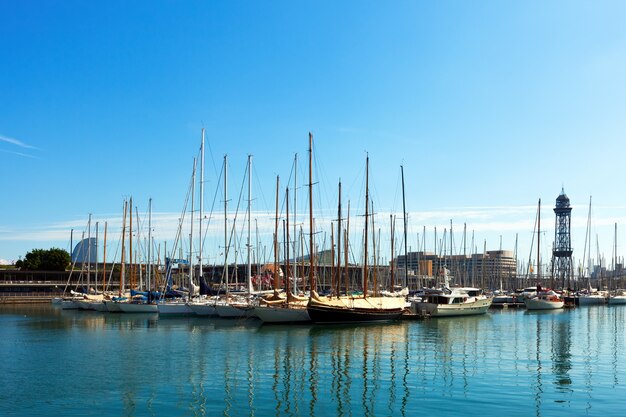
(374, 256)
(88, 253)
(287, 283)
(295, 220)
(276, 275)
(333, 269)
(193, 195)
(346, 251)
(249, 213)
(538, 243)
(391, 269)
(149, 284)
(130, 245)
(226, 223)
(312, 283)
(137, 252)
(614, 258)
(365, 275)
(406, 260)
(201, 215)
(104, 266)
(96, 283)
(123, 264)
(338, 269)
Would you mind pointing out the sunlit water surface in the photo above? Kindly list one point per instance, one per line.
(505, 363)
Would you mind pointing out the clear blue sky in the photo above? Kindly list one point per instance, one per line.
(489, 105)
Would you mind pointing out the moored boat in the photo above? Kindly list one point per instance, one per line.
(544, 300)
(449, 302)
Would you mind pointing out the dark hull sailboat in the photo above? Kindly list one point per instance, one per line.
(329, 315)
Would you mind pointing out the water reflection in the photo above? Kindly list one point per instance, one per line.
(140, 365)
(359, 368)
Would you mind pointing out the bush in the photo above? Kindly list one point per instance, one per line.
(45, 260)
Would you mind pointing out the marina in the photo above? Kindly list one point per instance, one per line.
(514, 362)
(312, 209)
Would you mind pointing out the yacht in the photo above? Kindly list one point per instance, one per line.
(448, 302)
(544, 300)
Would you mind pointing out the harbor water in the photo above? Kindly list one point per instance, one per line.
(513, 363)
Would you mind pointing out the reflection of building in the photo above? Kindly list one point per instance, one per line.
(478, 269)
(86, 251)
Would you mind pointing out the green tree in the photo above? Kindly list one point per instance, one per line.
(45, 260)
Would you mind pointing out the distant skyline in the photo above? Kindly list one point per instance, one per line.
(489, 106)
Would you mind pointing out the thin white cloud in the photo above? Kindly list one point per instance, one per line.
(20, 154)
(16, 142)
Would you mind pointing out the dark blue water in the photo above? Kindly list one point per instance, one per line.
(511, 363)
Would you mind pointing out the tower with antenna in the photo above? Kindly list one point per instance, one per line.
(562, 250)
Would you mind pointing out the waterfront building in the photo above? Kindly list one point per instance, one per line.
(485, 270)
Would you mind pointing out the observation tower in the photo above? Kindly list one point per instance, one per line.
(562, 250)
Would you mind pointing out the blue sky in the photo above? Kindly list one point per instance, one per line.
(488, 105)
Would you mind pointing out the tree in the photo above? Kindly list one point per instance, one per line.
(53, 259)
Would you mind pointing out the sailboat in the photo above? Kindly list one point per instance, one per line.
(179, 306)
(352, 308)
(137, 303)
(230, 306)
(544, 299)
(290, 308)
(618, 296)
(590, 296)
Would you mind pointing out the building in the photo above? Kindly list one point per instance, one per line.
(487, 270)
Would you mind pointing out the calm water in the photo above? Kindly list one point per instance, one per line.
(512, 363)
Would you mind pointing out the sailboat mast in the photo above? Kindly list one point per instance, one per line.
(104, 264)
(226, 222)
(88, 253)
(193, 200)
(614, 258)
(346, 251)
(311, 257)
(123, 262)
(201, 214)
(276, 275)
(249, 213)
(287, 284)
(338, 269)
(365, 275)
(96, 272)
(130, 244)
(538, 242)
(149, 284)
(406, 260)
(295, 219)
(391, 270)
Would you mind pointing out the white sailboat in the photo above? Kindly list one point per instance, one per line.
(618, 296)
(543, 299)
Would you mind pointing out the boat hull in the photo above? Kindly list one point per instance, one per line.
(228, 311)
(205, 309)
(272, 314)
(138, 308)
(112, 306)
(591, 300)
(174, 309)
(542, 304)
(617, 300)
(451, 310)
(331, 314)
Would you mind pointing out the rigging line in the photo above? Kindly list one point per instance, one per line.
(233, 229)
(217, 191)
(178, 235)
